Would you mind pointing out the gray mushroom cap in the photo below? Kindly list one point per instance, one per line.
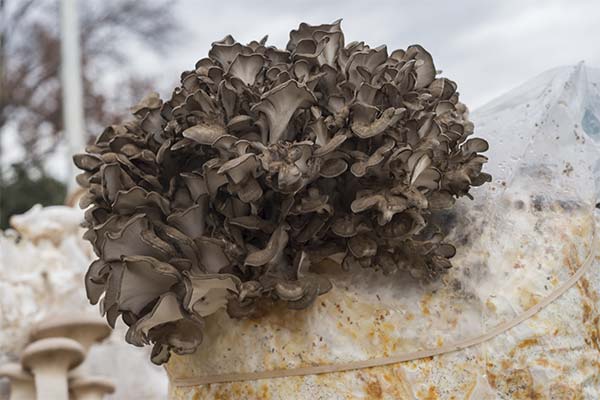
(280, 103)
(60, 351)
(365, 128)
(271, 252)
(289, 290)
(333, 167)
(83, 328)
(208, 293)
(143, 279)
(166, 310)
(15, 372)
(246, 67)
(349, 226)
(362, 246)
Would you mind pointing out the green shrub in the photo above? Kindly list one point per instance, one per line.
(22, 187)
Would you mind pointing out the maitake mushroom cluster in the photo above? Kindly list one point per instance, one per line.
(264, 163)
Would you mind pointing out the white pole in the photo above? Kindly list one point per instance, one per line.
(71, 85)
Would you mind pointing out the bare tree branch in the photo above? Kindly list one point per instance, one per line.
(30, 95)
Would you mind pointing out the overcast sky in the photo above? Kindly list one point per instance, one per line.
(487, 47)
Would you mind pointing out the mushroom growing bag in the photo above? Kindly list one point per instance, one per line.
(519, 241)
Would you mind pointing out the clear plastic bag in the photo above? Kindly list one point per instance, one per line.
(518, 240)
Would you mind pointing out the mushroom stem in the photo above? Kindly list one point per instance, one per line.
(51, 382)
(83, 328)
(49, 360)
(21, 383)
